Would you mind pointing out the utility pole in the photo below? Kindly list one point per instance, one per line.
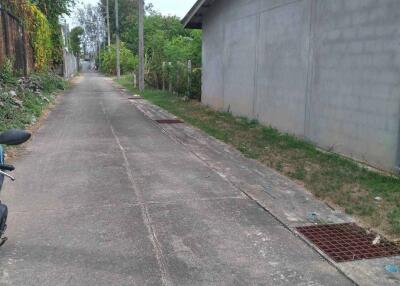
(141, 45)
(117, 38)
(66, 35)
(98, 44)
(108, 25)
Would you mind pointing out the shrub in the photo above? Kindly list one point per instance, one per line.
(108, 59)
(6, 72)
(177, 73)
(49, 82)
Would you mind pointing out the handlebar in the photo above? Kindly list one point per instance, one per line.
(7, 167)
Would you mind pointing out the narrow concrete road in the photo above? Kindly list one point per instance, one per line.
(104, 197)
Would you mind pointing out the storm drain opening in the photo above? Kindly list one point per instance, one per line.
(135, 97)
(169, 121)
(348, 242)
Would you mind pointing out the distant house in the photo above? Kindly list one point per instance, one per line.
(324, 70)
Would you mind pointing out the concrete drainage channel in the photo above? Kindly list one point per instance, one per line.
(168, 121)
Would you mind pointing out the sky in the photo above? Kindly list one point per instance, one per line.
(166, 7)
(172, 7)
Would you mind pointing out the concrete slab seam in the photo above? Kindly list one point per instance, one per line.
(144, 210)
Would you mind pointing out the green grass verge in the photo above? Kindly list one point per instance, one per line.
(331, 177)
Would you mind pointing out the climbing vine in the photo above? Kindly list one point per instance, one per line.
(38, 31)
(41, 38)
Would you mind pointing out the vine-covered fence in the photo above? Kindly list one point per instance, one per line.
(14, 43)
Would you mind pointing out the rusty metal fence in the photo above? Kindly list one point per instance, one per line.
(14, 43)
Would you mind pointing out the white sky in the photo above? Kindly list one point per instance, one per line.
(166, 7)
(172, 7)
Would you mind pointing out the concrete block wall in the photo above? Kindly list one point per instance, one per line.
(282, 66)
(213, 60)
(70, 67)
(328, 71)
(355, 96)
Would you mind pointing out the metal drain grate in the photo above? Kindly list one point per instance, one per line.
(168, 121)
(348, 242)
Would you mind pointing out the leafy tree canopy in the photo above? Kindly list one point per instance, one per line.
(76, 35)
(54, 8)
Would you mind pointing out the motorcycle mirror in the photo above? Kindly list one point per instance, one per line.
(14, 137)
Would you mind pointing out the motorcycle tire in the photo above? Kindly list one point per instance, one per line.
(3, 218)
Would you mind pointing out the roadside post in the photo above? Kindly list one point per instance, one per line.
(189, 78)
(163, 76)
(170, 77)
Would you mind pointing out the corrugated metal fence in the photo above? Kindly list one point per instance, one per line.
(14, 43)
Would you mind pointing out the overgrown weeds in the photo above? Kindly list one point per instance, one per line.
(371, 196)
(23, 100)
(6, 72)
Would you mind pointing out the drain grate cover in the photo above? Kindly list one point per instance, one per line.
(348, 242)
(169, 121)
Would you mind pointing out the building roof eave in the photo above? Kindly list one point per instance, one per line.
(194, 18)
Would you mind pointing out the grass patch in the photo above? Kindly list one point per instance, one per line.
(329, 176)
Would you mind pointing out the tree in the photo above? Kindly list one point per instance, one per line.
(75, 39)
(128, 19)
(53, 9)
(76, 35)
(128, 61)
(165, 40)
(91, 20)
(128, 10)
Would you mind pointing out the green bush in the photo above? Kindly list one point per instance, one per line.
(177, 73)
(108, 59)
(168, 42)
(6, 72)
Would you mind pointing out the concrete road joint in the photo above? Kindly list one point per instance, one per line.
(144, 209)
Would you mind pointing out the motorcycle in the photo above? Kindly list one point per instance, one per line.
(11, 137)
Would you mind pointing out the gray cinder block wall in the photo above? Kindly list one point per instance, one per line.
(70, 67)
(324, 70)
